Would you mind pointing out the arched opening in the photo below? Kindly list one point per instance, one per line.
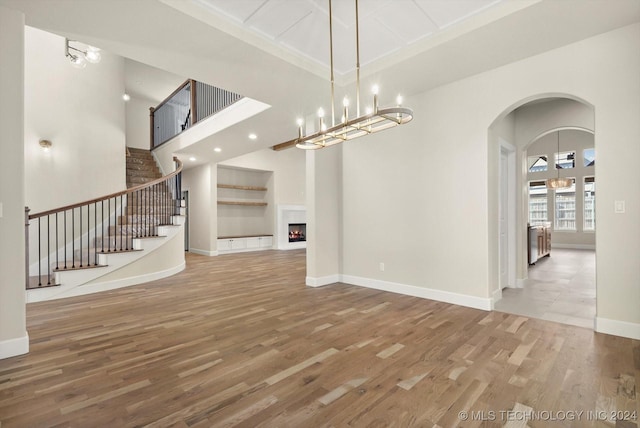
(525, 133)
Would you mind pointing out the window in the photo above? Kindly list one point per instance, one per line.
(590, 203)
(565, 160)
(589, 156)
(538, 203)
(537, 163)
(565, 218)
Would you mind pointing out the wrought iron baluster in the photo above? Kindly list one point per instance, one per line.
(57, 247)
(73, 238)
(95, 234)
(39, 256)
(48, 250)
(65, 239)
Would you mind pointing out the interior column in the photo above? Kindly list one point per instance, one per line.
(324, 216)
(14, 339)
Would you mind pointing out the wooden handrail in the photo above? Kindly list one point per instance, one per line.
(163, 102)
(113, 195)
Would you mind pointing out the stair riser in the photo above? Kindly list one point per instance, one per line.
(143, 220)
(142, 210)
(143, 173)
(133, 231)
(134, 160)
(114, 242)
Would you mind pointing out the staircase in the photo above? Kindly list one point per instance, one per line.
(141, 167)
(106, 234)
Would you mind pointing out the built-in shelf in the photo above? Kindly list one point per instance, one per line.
(243, 203)
(233, 186)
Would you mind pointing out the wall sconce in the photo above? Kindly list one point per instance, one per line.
(78, 57)
(46, 145)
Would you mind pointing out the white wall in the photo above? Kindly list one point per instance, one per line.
(289, 172)
(201, 184)
(82, 112)
(138, 123)
(240, 220)
(419, 197)
(13, 333)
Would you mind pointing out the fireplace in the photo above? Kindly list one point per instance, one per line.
(297, 232)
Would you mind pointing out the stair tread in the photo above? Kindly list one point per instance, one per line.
(75, 266)
(36, 282)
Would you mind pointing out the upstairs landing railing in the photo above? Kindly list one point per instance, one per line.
(189, 104)
(73, 236)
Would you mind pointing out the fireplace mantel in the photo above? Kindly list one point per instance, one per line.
(289, 214)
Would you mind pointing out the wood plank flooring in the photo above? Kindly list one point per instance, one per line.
(238, 340)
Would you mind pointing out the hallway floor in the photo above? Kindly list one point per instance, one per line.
(560, 288)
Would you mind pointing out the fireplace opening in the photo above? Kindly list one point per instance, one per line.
(297, 232)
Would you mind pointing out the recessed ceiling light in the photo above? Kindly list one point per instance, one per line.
(126, 97)
(192, 159)
(252, 136)
(217, 150)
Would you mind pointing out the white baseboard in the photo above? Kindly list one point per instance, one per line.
(617, 328)
(520, 282)
(572, 247)
(426, 293)
(496, 296)
(13, 347)
(203, 252)
(118, 283)
(323, 280)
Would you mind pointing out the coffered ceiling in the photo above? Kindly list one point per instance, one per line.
(276, 51)
(385, 26)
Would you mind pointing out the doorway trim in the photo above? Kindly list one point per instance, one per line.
(508, 199)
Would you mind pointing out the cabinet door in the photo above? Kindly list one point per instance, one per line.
(266, 242)
(238, 244)
(224, 244)
(252, 242)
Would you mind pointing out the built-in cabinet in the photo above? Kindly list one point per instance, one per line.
(245, 210)
(539, 243)
(233, 244)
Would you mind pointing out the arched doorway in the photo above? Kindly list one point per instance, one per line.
(510, 135)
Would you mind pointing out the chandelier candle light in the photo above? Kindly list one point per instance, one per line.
(374, 120)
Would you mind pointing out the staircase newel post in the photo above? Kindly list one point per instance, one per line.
(194, 102)
(26, 246)
(152, 112)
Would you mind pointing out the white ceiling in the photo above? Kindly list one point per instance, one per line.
(385, 26)
(187, 39)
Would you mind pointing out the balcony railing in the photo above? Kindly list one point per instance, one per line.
(191, 103)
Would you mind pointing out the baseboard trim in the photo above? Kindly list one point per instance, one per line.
(321, 281)
(203, 252)
(120, 283)
(617, 328)
(496, 296)
(572, 247)
(14, 347)
(425, 293)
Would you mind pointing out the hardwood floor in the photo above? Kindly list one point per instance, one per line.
(239, 340)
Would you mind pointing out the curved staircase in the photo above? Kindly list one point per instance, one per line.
(79, 244)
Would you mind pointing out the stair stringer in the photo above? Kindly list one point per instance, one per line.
(87, 281)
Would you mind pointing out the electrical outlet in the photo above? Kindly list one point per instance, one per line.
(381, 267)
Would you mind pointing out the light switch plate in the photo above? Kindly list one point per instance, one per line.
(619, 207)
(0, 209)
